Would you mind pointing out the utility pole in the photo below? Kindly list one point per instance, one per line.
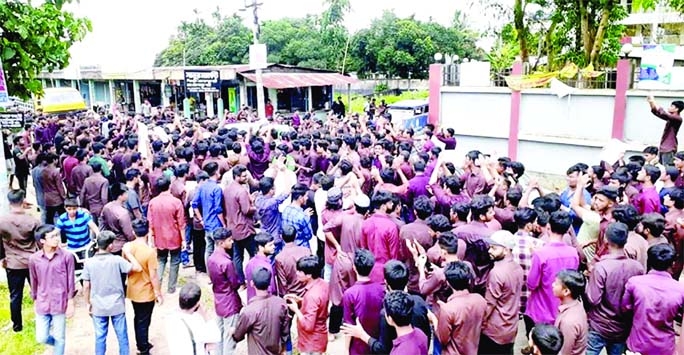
(261, 102)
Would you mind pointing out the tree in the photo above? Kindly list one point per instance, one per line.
(225, 41)
(397, 47)
(36, 38)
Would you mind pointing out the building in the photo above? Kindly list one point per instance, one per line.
(662, 25)
(289, 88)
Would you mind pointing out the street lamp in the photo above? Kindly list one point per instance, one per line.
(626, 49)
(438, 57)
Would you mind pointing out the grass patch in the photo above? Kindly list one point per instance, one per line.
(24, 342)
(358, 101)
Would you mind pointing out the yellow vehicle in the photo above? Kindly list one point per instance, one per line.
(59, 100)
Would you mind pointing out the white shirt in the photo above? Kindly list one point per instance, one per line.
(178, 336)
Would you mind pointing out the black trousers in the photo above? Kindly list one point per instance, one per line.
(16, 279)
(22, 180)
(239, 248)
(141, 324)
(529, 324)
(490, 347)
(199, 244)
(51, 212)
(336, 314)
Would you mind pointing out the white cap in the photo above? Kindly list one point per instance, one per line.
(502, 238)
(362, 201)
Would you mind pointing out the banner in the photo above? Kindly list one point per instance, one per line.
(4, 96)
(521, 82)
(657, 61)
(232, 100)
(11, 120)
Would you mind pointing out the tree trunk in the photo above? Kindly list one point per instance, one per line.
(600, 33)
(584, 27)
(548, 44)
(519, 21)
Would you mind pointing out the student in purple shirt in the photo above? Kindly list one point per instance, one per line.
(648, 200)
(362, 302)
(547, 261)
(225, 284)
(52, 288)
(398, 313)
(656, 300)
(265, 247)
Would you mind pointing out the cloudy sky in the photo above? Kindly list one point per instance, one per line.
(127, 34)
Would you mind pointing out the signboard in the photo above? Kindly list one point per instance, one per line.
(657, 61)
(11, 120)
(4, 96)
(197, 81)
(257, 56)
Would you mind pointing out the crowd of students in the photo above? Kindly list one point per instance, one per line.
(347, 227)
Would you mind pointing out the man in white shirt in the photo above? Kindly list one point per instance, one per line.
(191, 330)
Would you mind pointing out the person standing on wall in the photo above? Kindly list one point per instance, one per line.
(668, 142)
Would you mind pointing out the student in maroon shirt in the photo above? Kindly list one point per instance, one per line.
(398, 313)
(362, 302)
(572, 319)
(668, 142)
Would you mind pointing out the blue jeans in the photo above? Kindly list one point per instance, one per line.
(596, 343)
(56, 338)
(120, 328)
(436, 345)
(209, 247)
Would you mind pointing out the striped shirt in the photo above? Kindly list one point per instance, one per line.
(522, 254)
(76, 231)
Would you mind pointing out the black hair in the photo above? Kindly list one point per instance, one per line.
(448, 242)
(105, 239)
(266, 184)
(547, 338)
(118, 189)
(462, 210)
(398, 306)
(262, 278)
(577, 168)
(396, 275)
(514, 196)
(16, 197)
(238, 170)
(298, 191)
(71, 202)
(617, 233)
(189, 296)
(574, 281)
(181, 170)
(653, 172)
(288, 233)
(211, 168)
(679, 105)
(626, 214)
(309, 265)
(458, 275)
(222, 234)
(654, 222)
(438, 223)
(672, 172)
(132, 174)
(424, 207)
(96, 166)
(661, 257)
(43, 230)
(480, 205)
(677, 197)
(523, 216)
(453, 184)
(380, 198)
(651, 150)
(560, 222)
(363, 261)
(261, 239)
(163, 184)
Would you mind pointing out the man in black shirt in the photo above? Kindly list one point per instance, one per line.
(21, 163)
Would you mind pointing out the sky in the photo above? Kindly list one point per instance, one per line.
(127, 34)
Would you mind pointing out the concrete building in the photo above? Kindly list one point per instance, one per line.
(289, 88)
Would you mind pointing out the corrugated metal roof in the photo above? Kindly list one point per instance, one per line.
(296, 80)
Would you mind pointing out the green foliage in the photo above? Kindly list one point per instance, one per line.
(579, 31)
(226, 41)
(391, 46)
(397, 47)
(36, 38)
(24, 342)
